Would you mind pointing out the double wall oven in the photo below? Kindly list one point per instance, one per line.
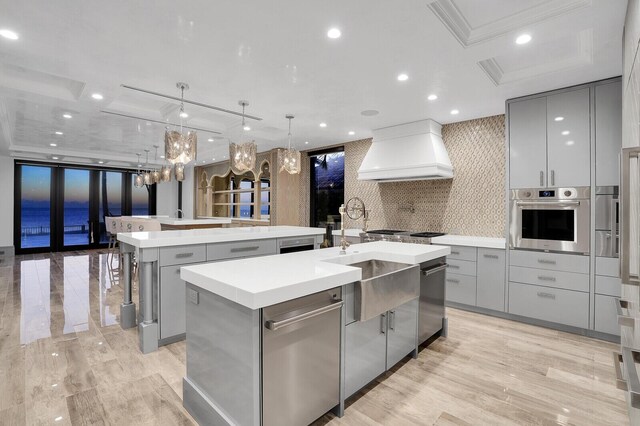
(555, 219)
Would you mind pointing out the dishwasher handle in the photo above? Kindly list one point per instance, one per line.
(275, 325)
(434, 269)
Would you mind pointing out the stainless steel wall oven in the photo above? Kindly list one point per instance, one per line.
(555, 219)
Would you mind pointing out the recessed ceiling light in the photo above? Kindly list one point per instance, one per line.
(432, 97)
(210, 139)
(59, 133)
(202, 161)
(184, 114)
(306, 142)
(570, 143)
(100, 162)
(351, 133)
(559, 118)
(370, 112)
(162, 156)
(403, 77)
(323, 124)
(53, 144)
(523, 39)
(148, 123)
(565, 133)
(57, 419)
(247, 128)
(213, 159)
(454, 112)
(97, 96)
(67, 115)
(334, 33)
(8, 34)
(54, 158)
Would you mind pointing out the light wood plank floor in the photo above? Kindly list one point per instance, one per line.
(65, 360)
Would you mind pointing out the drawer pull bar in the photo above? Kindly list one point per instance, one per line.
(547, 295)
(433, 270)
(543, 278)
(629, 360)
(455, 252)
(491, 256)
(183, 255)
(547, 262)
(275, 325)
(621, 383)
(451, 280)
(241, 249)
(623, 319)
(453, 266)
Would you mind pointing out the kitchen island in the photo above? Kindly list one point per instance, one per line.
(280, 340)
(173, 223)
(159, 256)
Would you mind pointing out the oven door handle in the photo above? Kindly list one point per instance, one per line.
(547, 203)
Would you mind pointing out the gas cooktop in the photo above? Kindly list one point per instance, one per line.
(399, 236)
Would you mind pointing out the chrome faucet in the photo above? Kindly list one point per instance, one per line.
(179, 213)
(343, 241)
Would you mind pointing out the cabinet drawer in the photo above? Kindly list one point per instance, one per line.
(609, 266)
(234, 249)
(461, 289)
(461, 267)
(490, 281)
(608, 285)
(463, 253)
(548, 278)
(182, 255)
(553, 261)
(606, 315)
(549, 304)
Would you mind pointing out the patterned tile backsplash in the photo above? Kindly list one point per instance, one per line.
(472, 203)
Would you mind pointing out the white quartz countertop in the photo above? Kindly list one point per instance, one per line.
(264, 281)
(463, 240)
(166, 220)
(213, 235)
(354, 233)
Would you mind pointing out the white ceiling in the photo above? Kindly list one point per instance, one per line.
(275, 53)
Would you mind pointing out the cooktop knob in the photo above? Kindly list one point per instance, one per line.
(567, 193)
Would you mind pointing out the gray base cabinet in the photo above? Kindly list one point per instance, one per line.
(491, 279)
(172, 302)
(374, 346)
(461, 288)
(606, 315)
(608, 289)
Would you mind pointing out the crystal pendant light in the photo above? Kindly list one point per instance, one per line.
(155, 174)
(289, 159)
(179, 169)
(242, 156)
(180, 147)
(165, 173)
(138, 180)
(147, 175)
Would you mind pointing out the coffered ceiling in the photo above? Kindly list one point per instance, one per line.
(276, 54)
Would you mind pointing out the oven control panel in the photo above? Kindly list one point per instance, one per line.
(578, 193)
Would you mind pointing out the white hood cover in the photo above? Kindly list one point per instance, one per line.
(411, 151)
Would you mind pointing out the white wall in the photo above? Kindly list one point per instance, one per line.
(167, 196)
(6, 213)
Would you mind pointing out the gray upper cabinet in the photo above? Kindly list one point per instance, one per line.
(528, 143)
(568, 139)
(608, 133)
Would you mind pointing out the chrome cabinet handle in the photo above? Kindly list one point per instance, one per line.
(620, 382)
(455, 252)
(624, 320)
(183, 255)
(241, 249)
(547, 295)
(431, 271)
(275, 325)
(553, 177)
(383, 317)
(491, 256)
(541, 178)
(451, 280)
(547, 262)
(629, 360)
(625, 216)
(453, 266)
(392, 320)
(545, 278)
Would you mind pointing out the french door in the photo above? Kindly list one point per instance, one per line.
(64, 207)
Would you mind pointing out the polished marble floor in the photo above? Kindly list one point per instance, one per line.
(65, 360)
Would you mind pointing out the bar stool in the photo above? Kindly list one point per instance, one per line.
(133, 224)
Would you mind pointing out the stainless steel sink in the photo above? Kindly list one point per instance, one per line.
(384, 286)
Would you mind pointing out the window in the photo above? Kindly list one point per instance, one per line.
(327, 187)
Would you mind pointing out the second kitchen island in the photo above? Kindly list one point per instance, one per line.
(281, 340)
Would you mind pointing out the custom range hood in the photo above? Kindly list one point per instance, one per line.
(411, 151)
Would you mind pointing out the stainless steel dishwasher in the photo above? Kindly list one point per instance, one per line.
(301, 358)
(432, 296)
(292, 245)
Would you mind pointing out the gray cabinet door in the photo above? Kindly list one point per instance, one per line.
(172, 302)
(365, 352)
(460, 288)
(403, 331)
(528, 143)
(606, 315)
(490, 281)
(569, 139)
(608, 133)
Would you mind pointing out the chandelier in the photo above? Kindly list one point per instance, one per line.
(289, 159)
(180, 147)
(242, 156)
(138, 180)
